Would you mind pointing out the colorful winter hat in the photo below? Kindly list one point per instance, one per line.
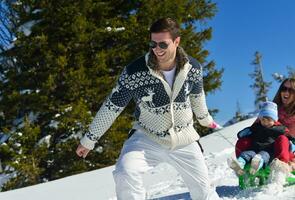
(269, 109)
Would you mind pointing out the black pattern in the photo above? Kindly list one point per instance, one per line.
(181, 106)
(112, 107)
(159, 134)
(91, 136)
(180, 127)
(159, 110)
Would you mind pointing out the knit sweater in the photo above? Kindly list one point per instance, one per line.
(163, 113)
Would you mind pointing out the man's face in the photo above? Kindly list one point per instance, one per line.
(165, 55)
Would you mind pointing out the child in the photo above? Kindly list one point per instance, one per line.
(263, 133)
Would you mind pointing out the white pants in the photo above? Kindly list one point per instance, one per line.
(140, 154)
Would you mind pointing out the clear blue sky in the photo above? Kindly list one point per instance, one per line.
(240, 28)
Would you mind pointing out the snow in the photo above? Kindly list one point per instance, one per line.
(109, 29)
(26, 28)
(163, 182)
(45, 140)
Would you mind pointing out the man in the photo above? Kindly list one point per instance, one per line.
(167, 87)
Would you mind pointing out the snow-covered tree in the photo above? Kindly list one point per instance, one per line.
(68, 55)
(279, 77)
(260, 86)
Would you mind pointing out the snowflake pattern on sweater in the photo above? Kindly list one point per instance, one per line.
(164, 114)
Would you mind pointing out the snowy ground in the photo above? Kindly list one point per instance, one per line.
(162, 183)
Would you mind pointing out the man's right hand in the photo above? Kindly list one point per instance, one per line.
(82, 151)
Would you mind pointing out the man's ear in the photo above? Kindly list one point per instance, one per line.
(177, 41)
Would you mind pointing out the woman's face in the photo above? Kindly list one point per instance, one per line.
(287, 93)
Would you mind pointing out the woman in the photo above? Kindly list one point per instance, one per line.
(285, 99)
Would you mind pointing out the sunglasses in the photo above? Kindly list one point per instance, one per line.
(287, 89)
(162, 45)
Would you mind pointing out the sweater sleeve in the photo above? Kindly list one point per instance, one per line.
(108, 112)
(198, 99)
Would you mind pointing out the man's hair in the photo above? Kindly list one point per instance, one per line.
(290, 109)
(166, 25)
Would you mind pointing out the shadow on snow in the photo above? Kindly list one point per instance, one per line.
(223, 191)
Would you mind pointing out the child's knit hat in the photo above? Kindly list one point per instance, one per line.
(269, 109)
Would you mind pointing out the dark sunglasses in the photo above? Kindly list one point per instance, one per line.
(162, 45)
(287, 89)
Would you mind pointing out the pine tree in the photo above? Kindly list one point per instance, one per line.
(26, 155)
(238, 114)
(259, 86)
(291, 71)
(279, 77)
(66, 62)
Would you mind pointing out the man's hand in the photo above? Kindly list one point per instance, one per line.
(82, 151)
(215, 126)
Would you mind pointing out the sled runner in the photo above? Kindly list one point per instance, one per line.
(260, 178)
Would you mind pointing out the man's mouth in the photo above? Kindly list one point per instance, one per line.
(161, 54)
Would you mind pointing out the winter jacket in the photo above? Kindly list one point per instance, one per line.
(263, 138)
(162, 113)
(287, 120)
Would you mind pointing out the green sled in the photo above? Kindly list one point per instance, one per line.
(260, 178)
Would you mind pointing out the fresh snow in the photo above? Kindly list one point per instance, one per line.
(163, 182)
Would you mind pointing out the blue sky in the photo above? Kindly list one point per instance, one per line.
(240, 28)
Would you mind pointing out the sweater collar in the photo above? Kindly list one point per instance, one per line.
(179, 79)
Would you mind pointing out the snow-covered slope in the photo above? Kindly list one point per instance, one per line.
(162, 183)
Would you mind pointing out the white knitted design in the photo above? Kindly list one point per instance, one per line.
(171, 124)
(101, 123)
(200, 109)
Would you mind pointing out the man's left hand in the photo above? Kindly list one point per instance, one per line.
(215, 126)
